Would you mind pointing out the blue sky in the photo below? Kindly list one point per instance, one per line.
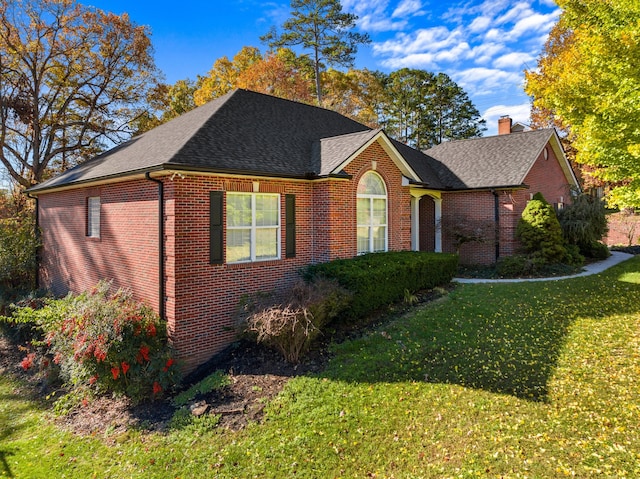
(483, 45)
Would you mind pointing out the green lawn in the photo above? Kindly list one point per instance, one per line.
(533, 380)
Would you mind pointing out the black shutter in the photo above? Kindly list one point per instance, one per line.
(216, 253)
(290, 225)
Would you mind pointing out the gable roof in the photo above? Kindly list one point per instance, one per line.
(494, 161)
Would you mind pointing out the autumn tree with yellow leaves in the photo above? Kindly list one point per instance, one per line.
(588, 80)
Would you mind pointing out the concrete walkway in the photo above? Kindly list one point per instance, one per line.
(593, 268)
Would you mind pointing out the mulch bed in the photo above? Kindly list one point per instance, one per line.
(256, 375)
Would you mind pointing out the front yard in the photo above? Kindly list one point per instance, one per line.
(507, 380)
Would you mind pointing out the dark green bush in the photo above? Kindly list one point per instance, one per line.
(540, 234)
(514, 266)
(584, 224)
(596, 250)
(18, 246)
(380, 279)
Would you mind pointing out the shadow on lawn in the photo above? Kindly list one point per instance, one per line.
(500, 338)
(7, 428)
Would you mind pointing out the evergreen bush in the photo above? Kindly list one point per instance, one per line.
(540, 233)
(584, 224)
(380, 279)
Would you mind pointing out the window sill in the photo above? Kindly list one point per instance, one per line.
(254, 264)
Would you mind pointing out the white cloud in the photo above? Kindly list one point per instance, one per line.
(485, 52)
(514, 14)
(483, 46)
(373, 16)
(430, 60)
(514, 60)
(479, 24)
(377, 23)
(423, 40)
(489, 8)
(483, 81)
(424, 61)
(534, 23)
(362, 7)
(408, 8)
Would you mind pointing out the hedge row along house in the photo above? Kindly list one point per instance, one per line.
(236, 196)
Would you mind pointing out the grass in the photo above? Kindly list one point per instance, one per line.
(509, 380)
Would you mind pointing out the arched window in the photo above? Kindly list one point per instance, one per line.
(372, 214)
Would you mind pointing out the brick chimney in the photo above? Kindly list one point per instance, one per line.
(504, 125)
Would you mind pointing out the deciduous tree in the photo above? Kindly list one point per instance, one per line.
(282, 74)
(72, 80)
(588, 76)
(323, 28)
(223, 76)
(358, 94)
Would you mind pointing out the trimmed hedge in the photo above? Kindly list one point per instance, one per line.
(380, 279)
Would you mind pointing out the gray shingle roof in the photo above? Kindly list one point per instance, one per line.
(241, 132)
(251, 133)
(422, 164)
(493, 161)
(329, 153)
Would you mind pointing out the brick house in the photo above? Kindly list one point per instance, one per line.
(237, 195)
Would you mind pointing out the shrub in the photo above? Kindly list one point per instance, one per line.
(290, 324)
(380, 279)
(462, 230)
(596, 250)
(539, 232)
(18, 246)
(584, 224)
(105, 343)
(514, 266)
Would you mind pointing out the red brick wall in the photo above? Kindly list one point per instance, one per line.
(125, 252)
(546, 177)
(624, 229)
(201, 298)
(476, 207)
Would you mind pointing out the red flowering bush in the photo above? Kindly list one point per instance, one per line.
(105, 342)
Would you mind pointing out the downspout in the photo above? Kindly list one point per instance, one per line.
(161, 290)
(36, 232)
(496, 216)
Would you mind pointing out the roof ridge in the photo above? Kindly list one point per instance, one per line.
(370, 130)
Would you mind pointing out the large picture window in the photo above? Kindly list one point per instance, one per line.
(253, 227)
(372, 214)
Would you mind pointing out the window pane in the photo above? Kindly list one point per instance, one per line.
(93, 217)
(363, 212)
(363, 240)
(266, 243)
(371, 184)
(379, 211)
(238, 210)
(379, 238)
(267, 210)
(238, 245)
